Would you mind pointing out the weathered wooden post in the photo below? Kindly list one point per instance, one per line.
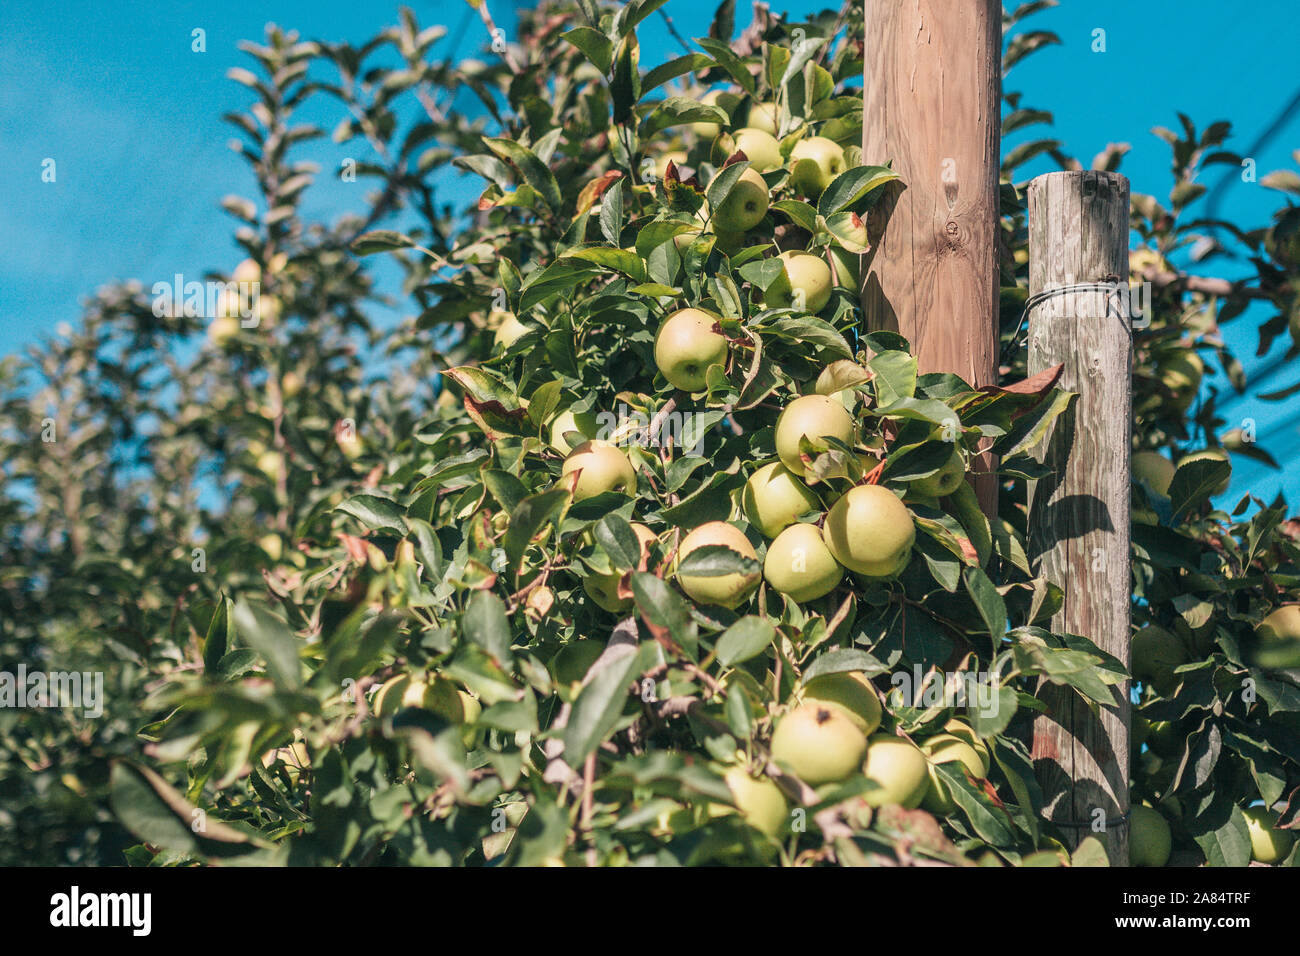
(1079, 517)
(932, 88)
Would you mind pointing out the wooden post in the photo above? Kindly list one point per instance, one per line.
(1079, 518)
(932, 90)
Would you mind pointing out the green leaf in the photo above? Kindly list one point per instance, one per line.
(988, 601)
(535, 172)
(680, 111)
(381, 240)
(747, 638)
(663, 610)
(594, 45)
(486, 624)
(529, 517)
(1196, 481)
(375, 513)
(674, 68)
(716, 560)
(800, 213)
(619, 541)
(269, 635)
(620, 260)
(852, 186)
(844, 660)
(729, 61)
(1227, 844)
(599, 704)
(159, 815)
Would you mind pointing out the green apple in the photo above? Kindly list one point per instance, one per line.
(290, 384)
(819, 744)
(1155, 654)
(761, 803)
(762, 116)
(799, 565)
(1182, 374)
(1149, 837)
(805, 283)
(1268, 844)
(272, 545)
(849, 691)
(1279, 638)
(585, 424)
(1154, 469)
(686, 344)
(1165, 738)
(774, 499)
(870, 531)
(603, 588)
(438, 695)
(760, 148)
(899, 769)
(744, 207)
(571, 663)
(816, 161)
(944, 481)
(602, 467)
(947, 748)
(1210, 454)
(725, 590)
(813, 417)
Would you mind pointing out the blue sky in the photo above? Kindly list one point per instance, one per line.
(131, 116)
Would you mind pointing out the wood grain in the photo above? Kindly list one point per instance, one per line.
(1079, 518)
(932, 106)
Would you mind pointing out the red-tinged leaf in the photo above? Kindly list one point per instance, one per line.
(1034, 385)
(595, 189)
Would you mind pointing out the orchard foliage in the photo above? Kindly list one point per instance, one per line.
(354, 609)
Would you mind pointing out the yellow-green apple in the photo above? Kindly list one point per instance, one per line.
(290, 384)
(272, 545)
(816, 162)
(571, 663)
(1154, 469)
(438, 695)
(760, 148)
(799, 565)
(962, 731)
(849, 691)
(944, 481)
(947, 748)
(1210, 454)
(602, 467)
(762, 116)
(899, 770)
(1268, 844)
(1182, 374)
(1279, 638)
(744, 207)
(603, 588)
(761, 803)
(774, 498)
(804, 284)
(870, 531)
(726, 590)
(676, 156)
(813, 417)
(1155, 653)
(295, 757)
(819, 744)
(247, 271)
(687, 343)
(585, 424)
(1149, 837)
(222, 330)
(509, 331)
